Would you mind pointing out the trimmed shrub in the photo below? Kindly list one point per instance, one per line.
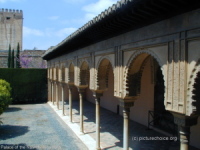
(28, 85)
(5, 95)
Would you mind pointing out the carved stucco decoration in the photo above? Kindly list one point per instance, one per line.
(191, 104)
(71, 74)
(101, 72)
(133, 72)
(83, 72)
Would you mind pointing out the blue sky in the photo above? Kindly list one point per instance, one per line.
(48, 22)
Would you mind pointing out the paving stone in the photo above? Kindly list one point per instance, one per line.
(36, 127)
(112, 130)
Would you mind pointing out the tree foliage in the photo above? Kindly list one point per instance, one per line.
(12, 65)
(5, 95)
(9, 57)
(28, 85)
(17, 57)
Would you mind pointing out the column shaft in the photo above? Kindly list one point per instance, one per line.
(126, 112)
(63, 108)
(51, 91)
(50, 94)
(53, 94)
(70, 105)
(184, 137)
(57, 99)
(98, 123)
(81, 111)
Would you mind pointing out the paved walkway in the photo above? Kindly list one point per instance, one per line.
(36, 127)
(112, 130)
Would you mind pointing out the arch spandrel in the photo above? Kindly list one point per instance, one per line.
(99, 59)
(160, 53)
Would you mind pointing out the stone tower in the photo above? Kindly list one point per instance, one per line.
(11, 22)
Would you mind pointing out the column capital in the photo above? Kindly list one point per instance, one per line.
(183, 120)
(62, 83)
(98, 93)
(70, 85)
(81, 88)
(127, 102)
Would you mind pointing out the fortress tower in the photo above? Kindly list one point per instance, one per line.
(11, 22)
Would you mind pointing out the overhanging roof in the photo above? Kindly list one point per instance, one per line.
(122, 17)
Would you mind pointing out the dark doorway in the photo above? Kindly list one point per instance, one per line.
(163, 119)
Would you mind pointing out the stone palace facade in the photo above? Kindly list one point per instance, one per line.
(141, 55)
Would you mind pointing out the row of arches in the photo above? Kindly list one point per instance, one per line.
(132, 72)
(144, 80)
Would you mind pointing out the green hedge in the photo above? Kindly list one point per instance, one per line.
(28, 85)
(5, 95)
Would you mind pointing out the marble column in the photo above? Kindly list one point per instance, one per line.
(97, 96)
(54, 94)
(70, 102)
(126, 112)
(57, 98)
(63, 102)
(51, 86)
(126, 104)
(51, 91)
(184, 123)
(81, 93)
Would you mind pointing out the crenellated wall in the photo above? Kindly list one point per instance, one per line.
(11, 23)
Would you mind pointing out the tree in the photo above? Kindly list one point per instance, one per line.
(25, 60)
(17, 57)
(13, 59)
(5, 96)
(9, 57)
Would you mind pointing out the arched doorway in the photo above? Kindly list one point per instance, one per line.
(106, 83)
(163, 119)
(71, 73)
(146, 81)
(84, 74)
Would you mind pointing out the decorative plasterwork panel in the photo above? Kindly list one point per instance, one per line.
(130, 56)
(193, 69)
(98, 65)
(83, 72)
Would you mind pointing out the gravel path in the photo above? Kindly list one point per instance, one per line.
(36, 127)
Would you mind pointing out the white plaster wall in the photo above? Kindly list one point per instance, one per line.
(75, 94)
(66, 93)
(59, 93)
(89, 96)
(108, 100)
(49, 91)
(139, 112)
(54, 92)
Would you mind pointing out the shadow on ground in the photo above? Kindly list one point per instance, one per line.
(10, 131)
(12, 109)
(16, 146)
